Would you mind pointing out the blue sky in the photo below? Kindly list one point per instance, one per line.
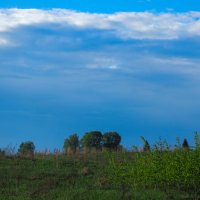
(107, 6)
(74, 66)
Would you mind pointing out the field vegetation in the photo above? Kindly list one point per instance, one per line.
(101, 171)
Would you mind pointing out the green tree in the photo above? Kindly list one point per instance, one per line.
(92, 139)
(146, 147)
(2, 152)
(196, 140)
(111, 140)
(26, 148)
(71, 143)
(185, 144)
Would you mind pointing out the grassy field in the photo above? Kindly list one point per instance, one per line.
(117, 175)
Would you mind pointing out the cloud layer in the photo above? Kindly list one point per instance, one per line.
(127, 25)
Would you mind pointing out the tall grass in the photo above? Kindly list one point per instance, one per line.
(162, 173)
(161, 169)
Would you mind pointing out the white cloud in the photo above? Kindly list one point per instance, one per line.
(127, 25)
(3, 42)
(103, 63)
(98, 66)
(176, 65)
(175, 61)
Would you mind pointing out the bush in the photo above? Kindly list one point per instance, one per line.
(92, 139)
(26, 148)
(185, 144)
(71, 144)
(2, 153)
(111, 140)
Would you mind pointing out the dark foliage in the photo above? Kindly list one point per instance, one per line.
(92, 139)
(26, 148)
(146, 147)
(71, 143)
(111, 140)
(185, 144)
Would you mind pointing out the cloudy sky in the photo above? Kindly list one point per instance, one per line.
(73, 66)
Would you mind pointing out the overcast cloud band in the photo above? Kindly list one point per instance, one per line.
(126, 25)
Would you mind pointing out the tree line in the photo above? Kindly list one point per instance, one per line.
(93, 140)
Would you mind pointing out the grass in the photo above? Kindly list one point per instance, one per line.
(101, 176)
(50, 177)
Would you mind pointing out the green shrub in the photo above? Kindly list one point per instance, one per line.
(71, 144)
(26, 148)
(2, 153)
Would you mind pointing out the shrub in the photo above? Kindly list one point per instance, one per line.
(185, 145)
(26, 148)
(111, 140)
(92, 139)
(71, 144)
(146, 147)
(2, 153)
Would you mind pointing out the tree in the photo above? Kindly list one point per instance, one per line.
(196, 140)
(92, 139)
(146, 147)
(26, 148)
(2, 152)
(185, 144)
(71, 143)
(111, 140)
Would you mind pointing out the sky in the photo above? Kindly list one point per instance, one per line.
(76, 66)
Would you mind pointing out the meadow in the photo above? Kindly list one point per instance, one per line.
(162, 173)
